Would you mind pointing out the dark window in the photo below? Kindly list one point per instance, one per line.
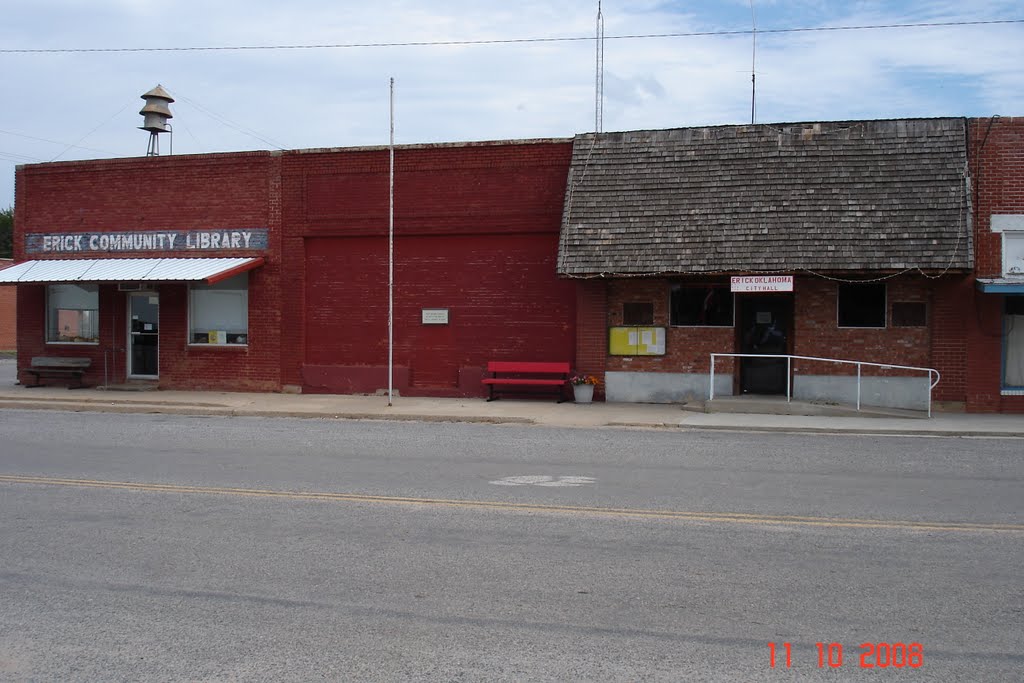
(701, 305)
(909, 314)
(638, 314)
(1013, 343)
(862, 305)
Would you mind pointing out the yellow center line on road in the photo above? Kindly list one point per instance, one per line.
(715, 517)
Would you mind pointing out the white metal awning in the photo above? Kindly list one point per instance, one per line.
(207, 270)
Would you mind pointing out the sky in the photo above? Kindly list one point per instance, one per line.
(60, 105)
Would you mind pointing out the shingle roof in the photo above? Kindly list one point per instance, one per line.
(855, 195)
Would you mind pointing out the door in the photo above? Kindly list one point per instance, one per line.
(143, 334)
(765, 329)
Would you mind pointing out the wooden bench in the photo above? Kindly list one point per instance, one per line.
(543, 377)
(73, 368)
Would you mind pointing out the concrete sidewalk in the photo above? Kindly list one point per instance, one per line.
(539, 412)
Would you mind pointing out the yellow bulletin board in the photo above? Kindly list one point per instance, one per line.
(636, 341)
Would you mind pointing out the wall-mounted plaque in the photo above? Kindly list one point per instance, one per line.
(434, 316)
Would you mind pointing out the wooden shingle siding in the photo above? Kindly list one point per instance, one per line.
(854, 195)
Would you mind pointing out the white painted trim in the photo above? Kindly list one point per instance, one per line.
(1001, 222)
(1017, 238)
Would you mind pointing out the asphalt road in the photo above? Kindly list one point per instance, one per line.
(174, 548)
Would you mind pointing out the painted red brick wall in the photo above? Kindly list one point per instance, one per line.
(476, 230)
(996, 153)
(8, 317)
(8, 312)
(217, 191)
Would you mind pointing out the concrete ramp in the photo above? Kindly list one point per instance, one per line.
(778, 405)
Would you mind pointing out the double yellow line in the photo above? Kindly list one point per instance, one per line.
(678, 515)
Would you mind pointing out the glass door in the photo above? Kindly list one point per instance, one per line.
(143, 334)
(765, 325)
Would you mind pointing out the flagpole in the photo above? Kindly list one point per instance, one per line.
(391, 249)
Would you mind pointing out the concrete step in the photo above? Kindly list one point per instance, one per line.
(132, 385)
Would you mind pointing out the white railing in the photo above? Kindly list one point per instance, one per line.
(789, 372)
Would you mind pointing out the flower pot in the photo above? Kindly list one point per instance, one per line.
(584, 393)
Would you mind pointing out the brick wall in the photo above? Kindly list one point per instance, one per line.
(815, 332)
(592, 330)
(8, 312)
(476, 230)
(216, 191)
(687, 349)
(996, 160)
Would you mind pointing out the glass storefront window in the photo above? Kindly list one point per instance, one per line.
(72, 314)
(219, 313)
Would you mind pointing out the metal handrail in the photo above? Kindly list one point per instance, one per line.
(858, 363)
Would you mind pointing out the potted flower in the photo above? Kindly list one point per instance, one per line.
(583, 387)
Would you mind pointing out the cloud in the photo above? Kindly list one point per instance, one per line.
(339, 97)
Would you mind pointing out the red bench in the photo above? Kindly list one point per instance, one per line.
(544, 377)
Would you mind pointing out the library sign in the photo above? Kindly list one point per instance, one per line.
(153, 240)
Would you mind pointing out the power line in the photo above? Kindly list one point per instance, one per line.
(14, 156)
(81, 139)
(223, 120)
(507, 41)
(54, 142)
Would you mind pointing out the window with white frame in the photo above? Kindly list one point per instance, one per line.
(1013, 253)
(72, 314)
(219, 313)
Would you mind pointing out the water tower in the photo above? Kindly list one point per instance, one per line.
(156, 113)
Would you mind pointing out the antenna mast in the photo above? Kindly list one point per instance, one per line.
(599, 73)
(753, 62)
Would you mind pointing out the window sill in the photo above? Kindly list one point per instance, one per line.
(54, 343)
(1012, 392)
(237, 347)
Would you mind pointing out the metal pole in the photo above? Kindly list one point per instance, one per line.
(858, 386)
(391, 248)
(599, 72)
(930, 393)
(789, 369)
(712, 394)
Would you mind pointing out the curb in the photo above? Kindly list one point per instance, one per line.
(216, 410)
(938, 433)
(139, 407)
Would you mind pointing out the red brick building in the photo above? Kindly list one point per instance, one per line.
(841, 240)
(993, 347)
(268, 271)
